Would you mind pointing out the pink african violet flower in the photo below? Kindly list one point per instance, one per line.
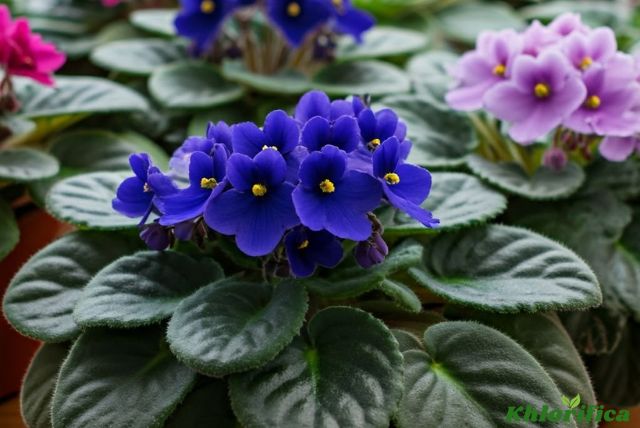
(568, 23)
(542, 93)
(23, 53)
(537, 38)
(618, 149)
(483, 68)
(598, 46)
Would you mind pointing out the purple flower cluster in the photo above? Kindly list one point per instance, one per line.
(304, 182)
(201, 20)
(564, 75)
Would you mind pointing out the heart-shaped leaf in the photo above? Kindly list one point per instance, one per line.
(476, 370)
(37, 388)
(10, 232)
(155, 21)
(42, 295)
(345, 371)
(191, 85)
(544, 184)
(85, 201)
(374, 78)
(24, 165)
(232, 326)
(507, 269)
(431, 75)
(78, 95)
(381, 42)
(143, 288)
(119, 378)
(441, 138)
(138, 57)
(288, 82)
(206, 405)
(458, 200)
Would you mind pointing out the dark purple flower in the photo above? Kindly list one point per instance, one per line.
(343, 133)
(258, 210)
(298, 18)
(612, 95)
(219, 133)
(598, 46)
(206, 181)
(200, 20)
(618, 149)
(542, 93)
(307, 249)
(317, 103)
(156, 237)
(331, 197)
(405, 186)
(350, 20)
(555, 159)
(478, 71)
(373, 251)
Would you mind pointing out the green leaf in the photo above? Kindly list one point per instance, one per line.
(25, 165)
(597, 331)
(206, 405)
(507, 269)
(142, 288)
(566, 401)
(233, 326)
(85, 201)
(575, 401)
(381, 42)
(42, 295)
(155, 21)
(77, 95)
(464, 22)
(545, 184)
(621, 178)
(191, 85)
(138, 57)
(441, 138)
(458, 200)
(401, 294)
(431, 76)
(374, 78)
(287, 82)
(37, 388)
(345, 371)
(475, 370)
(393, 8)
(119, 378)
(593, 13)
(9, 228)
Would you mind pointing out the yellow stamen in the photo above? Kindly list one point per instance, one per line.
(303, 245)
(265, 147)
(586, 62)
(373, 144)
(593, 102)
(259, 190)
(293, 9)
(500, 70)
(146, 187)
(542, 90)
(208, 183)
(208, 6)
(327, 186)
(392, 178)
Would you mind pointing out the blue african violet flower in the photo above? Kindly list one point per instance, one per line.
(206, 181)
(350, 20)
(219, 133)
(200, 20)
(299, 18)
(306, 250)
(258, 209)
(371, 252)
(333, 198)
(156, 237)
(405, 186)
(317, 103)
(343, 133)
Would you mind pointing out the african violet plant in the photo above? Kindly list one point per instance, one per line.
(293, 262)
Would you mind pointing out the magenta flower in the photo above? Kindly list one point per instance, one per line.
(478, 71)
(618, 149)
(583, 50)
(542, 93)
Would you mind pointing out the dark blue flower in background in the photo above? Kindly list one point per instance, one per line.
(317, 103)
(343, 133)
(200, 20)
(298, 18)
(206, 181)
(219, 133)
(331, 197)
(258, 210)
(350, 20)
(307, 249)
(405, 186)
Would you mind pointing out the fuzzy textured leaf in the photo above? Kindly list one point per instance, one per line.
(138, 57)
(288, 82)
(25, 165)
(430, 73)
(381, 42)
(362, 77)
(9, 227)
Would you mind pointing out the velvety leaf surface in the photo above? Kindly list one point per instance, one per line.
(381, 42)
(85, 201)
(143, 288)
(441, 137)
(507, 269)
(362, 77)
(9, 227)
(42, 295)
(232, 326)
(284, 82)
(597, 331)
(155, 21)
(138, 57)
(475, 370)
(430, 73)
(458, 200)
(119, 378)
(344, 372)
(24, 165)
(401, 294)
(191, 85)
(620, 178)
(37, 388)
(207, 405)
(545, 184)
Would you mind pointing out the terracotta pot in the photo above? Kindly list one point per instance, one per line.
(37, 229)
